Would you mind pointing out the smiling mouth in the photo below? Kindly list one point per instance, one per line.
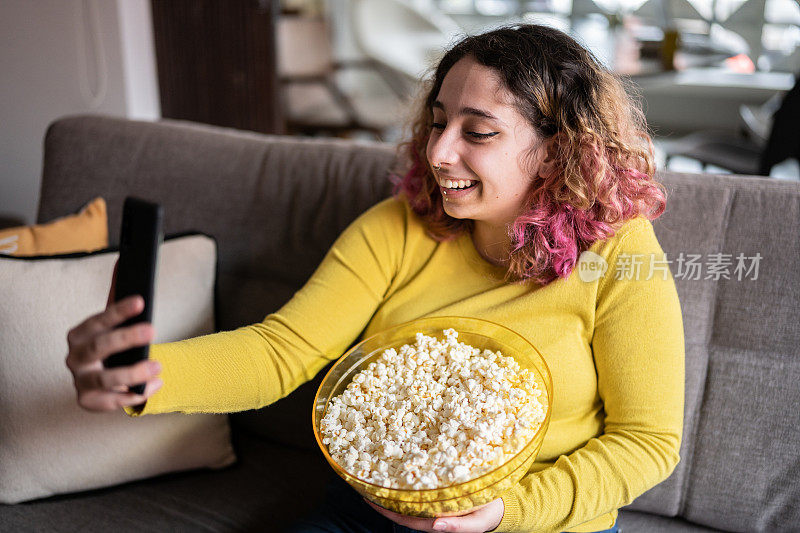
(457, 185)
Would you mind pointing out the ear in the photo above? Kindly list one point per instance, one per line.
(548, 152)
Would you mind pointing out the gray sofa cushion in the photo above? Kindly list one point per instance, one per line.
(255, 495)
(746, 460)
(742, 357)
(636, 522)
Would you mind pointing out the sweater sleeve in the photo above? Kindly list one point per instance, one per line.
(256, 365)
(638, 351)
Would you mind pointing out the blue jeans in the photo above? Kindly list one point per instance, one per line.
(345, 511)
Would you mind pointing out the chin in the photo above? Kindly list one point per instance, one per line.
(455, 213)
(460, 214)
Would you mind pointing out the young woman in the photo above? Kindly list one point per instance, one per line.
(530, 172)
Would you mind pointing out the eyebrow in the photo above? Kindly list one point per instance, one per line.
(470, 111)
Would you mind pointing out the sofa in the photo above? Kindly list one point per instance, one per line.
(275, 204)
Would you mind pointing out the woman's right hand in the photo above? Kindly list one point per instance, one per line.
(90, 342)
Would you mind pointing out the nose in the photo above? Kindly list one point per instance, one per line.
(442, 149)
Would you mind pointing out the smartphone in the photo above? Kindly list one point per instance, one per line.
(140, 238)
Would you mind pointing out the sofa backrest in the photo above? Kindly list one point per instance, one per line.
(276, 204)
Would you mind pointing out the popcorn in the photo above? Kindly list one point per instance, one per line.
(432, 414)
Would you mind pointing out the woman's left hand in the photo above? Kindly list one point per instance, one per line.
(483, 518)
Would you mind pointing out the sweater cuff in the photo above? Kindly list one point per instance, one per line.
(512, 513)
(149, 407)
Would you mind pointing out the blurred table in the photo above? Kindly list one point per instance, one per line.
(704, 94)
(679, 102)
(719, 80)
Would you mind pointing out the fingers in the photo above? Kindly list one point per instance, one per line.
(105, 390)
(100, 400)
(118, 379)
(115, 314)
(92, 341)
(109, 342)
(412, 522)
(484, 518)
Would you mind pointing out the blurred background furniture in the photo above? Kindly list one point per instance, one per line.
(769, 134)
(392, 44)
(217, 62)
(315, 96)
(284, 202)
(405, 38)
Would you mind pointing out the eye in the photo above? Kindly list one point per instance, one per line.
(473, 135)
(481, 136)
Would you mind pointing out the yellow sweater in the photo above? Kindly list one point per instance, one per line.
(614, 347)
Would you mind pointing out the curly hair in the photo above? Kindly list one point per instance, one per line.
(604, 168)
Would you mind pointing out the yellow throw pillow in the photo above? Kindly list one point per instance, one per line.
(85, 232)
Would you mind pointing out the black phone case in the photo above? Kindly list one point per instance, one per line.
(140, 238)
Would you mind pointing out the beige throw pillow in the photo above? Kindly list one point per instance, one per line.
(48, 445)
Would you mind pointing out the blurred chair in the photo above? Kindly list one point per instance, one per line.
(583, 8)
(757, 120)
(751, 152)
(313, 97)
(404, 39)
(784, 138)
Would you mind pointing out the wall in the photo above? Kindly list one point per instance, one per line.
(62, 57)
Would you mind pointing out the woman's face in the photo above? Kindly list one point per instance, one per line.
(479, 137)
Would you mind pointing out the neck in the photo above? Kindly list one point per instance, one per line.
(492, 242)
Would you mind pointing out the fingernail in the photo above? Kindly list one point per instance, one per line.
(440, 526)
(154, 366)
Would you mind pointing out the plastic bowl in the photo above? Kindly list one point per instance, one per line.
(461, 497)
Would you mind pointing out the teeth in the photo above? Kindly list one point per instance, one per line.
(457, 184)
